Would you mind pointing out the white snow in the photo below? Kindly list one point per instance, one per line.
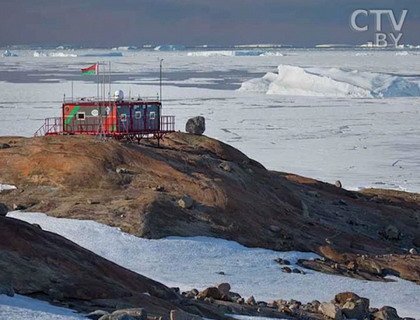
(331, 82)
(195, 262)
(4, 187)
(24, 308)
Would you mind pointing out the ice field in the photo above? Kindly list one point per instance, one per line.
(328, 114)
(195, 262)
(349, 115)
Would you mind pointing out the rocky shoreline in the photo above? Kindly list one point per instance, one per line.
(192, 186)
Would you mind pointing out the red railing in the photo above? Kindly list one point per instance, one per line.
(53, 126)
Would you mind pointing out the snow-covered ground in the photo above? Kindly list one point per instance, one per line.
(196, 262)
(351, 115)
(24, 308)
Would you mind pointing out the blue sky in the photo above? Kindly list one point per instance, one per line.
(193, 22)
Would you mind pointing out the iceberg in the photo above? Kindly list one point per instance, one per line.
(7, 53)
(234, 53)
(332, 82)
(170, 47)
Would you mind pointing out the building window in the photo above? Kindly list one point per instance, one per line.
(123, 117)
(137, 115)
(81, 116)
(152, 115)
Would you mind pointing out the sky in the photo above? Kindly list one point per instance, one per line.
(105, 23)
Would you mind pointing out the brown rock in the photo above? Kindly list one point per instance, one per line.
(224, 288)
(343, 297)
(286, 269)
(211, 292)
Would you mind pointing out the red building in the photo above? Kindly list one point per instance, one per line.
(118, 118)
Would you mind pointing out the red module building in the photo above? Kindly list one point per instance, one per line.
(118, 118)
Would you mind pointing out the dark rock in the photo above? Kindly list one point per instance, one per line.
(186, 202)
(221, 273)
(251, 301)
(224, 288)
(358, 310)
(175, 289)
(97, 314)
(211, 292)
(240, 301)
(4, 146)
(18, 207)
(235, 297)
(338, 184)
(3, 209)
(386, 313)
(416, 241)
(286, 269)
(159, 188)
(296, 270)
(391, 233)
(282, 261)
(196, 125)
(182, 315)
(36, 225)
(7, 290)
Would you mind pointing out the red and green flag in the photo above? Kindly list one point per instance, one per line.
(93, 69)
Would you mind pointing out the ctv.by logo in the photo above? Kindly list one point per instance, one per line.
(381, 39)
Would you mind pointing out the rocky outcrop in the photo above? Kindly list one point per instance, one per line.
(46, 266)
(3, 209)
(242, 202)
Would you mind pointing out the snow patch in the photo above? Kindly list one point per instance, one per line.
(4, 187)
(24, 308)
(195, 262)
(331, 82)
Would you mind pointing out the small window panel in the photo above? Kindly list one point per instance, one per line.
(152, 115)
(137, 115)
(123, 117)
(81, 116)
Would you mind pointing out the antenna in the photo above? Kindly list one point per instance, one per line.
(160, 79)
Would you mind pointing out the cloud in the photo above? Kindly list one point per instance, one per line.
(112, 22)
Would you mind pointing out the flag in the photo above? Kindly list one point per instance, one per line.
(93, 69)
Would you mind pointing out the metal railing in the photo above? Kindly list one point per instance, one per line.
(110, 127)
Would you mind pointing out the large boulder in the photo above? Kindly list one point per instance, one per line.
(126, 314)
(352, 306)
(3, 209)
(330, 310)
(186, 202)
(224, 288)
(196, 125)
